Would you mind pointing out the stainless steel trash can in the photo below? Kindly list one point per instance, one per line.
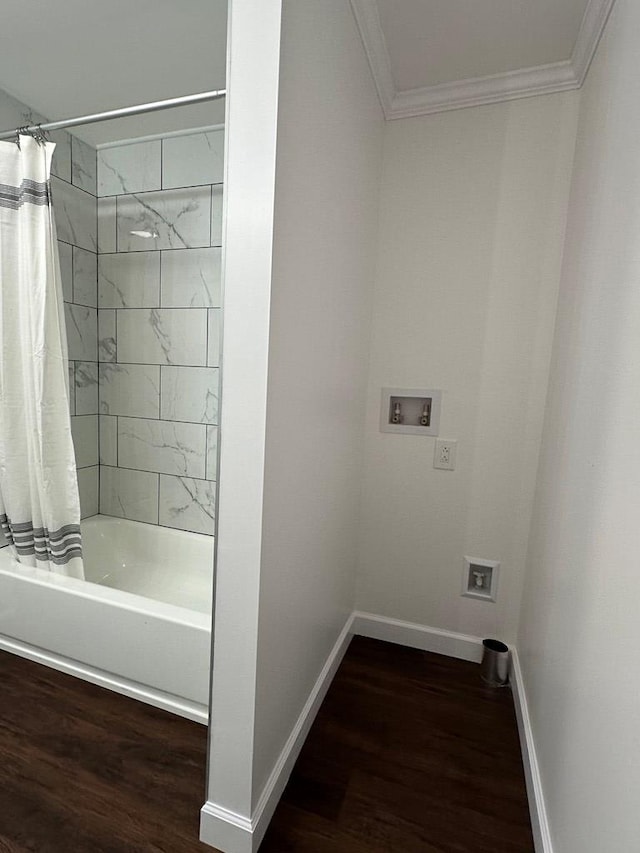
(495, 663)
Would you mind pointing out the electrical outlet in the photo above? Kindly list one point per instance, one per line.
(445, 454)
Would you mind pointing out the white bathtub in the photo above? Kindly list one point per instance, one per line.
(140, 624)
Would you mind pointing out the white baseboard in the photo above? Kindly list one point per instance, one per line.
(225, 830)
(462, 646)
(537, 810)
(157, 698)
(234, 833)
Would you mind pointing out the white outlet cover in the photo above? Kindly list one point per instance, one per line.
(444, 454)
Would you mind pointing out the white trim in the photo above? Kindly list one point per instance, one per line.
(463, 646)
(593, 23)
(189, 131)
(472, 92)
(236, 833)
(478, 91)
(182, 707)
(537, 809)
(375, 46)
(225, 830)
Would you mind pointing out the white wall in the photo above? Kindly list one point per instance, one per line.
(473, 205)
(580, 630)
(326, 216)
(293, 403)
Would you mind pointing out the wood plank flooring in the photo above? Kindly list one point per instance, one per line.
(410, 752)
(84, 770)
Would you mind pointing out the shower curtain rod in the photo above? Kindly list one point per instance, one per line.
(183, 101)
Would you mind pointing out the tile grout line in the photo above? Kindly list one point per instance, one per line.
(150, 251)
(158, 473)
(73, 275)
(75, 187)
(156, 420)
(98, 336)
(154, 307)
(98, 341)
(148, 192)
(206, 452)
(207, 349)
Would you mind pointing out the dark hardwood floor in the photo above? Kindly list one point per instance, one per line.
(84, 770)
(410, 752)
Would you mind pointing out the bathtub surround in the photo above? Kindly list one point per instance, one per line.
(162, 336)
(164, 446)
(39, 501)
(190, 160)
(158, 328)
(130, 168)
(83, 166)
(180, 217)
(125, 362)
(79, 271)
(76, 221)
(75, 215)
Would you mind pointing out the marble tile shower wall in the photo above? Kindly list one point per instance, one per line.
(74, 182)
(159, 238)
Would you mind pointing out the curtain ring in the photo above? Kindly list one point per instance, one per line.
(24, 130)
(40, 135)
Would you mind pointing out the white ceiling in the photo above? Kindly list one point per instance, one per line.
(437, 41)
(70, 57)
(433, 55)
(74, 57)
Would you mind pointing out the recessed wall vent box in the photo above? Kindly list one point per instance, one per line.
(480, 578)
(413, 411)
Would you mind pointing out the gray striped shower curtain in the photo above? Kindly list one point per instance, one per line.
(39, 503)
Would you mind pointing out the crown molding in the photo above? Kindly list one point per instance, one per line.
(524, 83)
(367, 18)
(593, 23)
(473, 92)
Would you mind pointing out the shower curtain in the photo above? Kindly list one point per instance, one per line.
(39, 502)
